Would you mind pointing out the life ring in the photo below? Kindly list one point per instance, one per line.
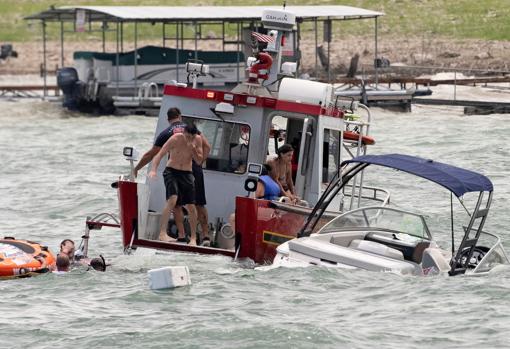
(354, 136)
(23, 258)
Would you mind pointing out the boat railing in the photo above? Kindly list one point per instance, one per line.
(379, 195)
(360, 125)
(146, 90)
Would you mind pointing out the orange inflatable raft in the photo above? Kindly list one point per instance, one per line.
(23, 258)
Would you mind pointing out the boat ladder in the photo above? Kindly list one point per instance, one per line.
(461, 262)
(356, 125)
(148, 90)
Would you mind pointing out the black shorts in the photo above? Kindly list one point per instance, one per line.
(198, 173)
(180, 183)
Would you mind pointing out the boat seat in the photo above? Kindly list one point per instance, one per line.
(412, 250)
(376, 248)
(418, 251)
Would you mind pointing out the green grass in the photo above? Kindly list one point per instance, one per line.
(460, 19)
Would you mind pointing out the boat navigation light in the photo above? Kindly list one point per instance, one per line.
(130, 153)
(254, 171)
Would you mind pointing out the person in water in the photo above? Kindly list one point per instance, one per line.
(67, 249)
(177, 126)
(281, 171)
(63, 263)
(178, 176)
(68, 252)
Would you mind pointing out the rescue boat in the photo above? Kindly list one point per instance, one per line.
(239, 126)
(23, 258)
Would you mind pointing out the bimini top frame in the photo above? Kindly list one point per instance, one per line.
(457, 180)
(194, 15)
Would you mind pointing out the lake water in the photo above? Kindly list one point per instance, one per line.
(57, 168)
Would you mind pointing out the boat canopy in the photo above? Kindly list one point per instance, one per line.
(198, 13)
(455, 179)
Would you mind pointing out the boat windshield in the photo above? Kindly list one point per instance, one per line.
(380, 218)
(495, 254)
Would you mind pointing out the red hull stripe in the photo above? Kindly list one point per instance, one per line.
(246, 100)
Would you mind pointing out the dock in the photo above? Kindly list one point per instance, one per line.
(403, 100)
(403, 81)
(28, 91)
(470, 107)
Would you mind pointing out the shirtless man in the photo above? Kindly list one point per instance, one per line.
(177, 126)
(178, 176)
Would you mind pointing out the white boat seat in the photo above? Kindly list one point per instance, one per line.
(377, 248)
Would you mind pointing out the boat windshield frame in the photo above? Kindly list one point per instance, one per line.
(495, 255)
(329, 227)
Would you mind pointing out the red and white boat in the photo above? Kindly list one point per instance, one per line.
(239, 126)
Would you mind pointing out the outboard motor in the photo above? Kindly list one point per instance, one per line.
(67, 81)
(7, 51)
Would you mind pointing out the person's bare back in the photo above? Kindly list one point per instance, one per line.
(182, 148)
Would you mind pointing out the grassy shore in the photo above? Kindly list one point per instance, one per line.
(459, 19)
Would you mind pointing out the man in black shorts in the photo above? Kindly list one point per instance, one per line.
(181, 148)
(177, 126)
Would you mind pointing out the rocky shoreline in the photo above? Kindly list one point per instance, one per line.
(467, 55)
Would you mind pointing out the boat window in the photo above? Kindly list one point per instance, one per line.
(229, 144)
(330, 154)
(286, 130)
(380, 218)
(277, 135)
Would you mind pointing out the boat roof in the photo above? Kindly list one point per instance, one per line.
(198, 13)
(245, 100)
(457, 180)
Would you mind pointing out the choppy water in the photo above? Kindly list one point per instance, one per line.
(56, 170)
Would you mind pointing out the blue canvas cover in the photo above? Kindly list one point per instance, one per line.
(455, 179)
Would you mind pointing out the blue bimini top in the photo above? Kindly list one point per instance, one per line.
(455, 179)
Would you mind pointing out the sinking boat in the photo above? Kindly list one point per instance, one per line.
(239, 125)
(393, 240)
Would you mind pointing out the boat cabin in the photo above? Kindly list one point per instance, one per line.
(245, 126)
